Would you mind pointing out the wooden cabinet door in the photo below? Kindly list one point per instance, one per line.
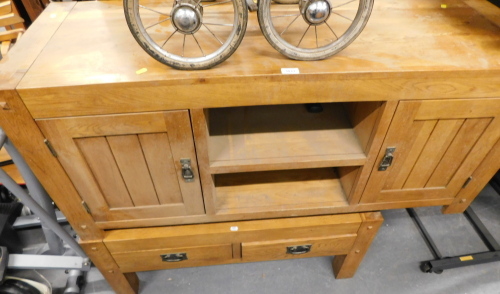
(128, 166)
(438, 144)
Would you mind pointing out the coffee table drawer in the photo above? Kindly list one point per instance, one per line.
(346, 236)
(166, 258)
(297, 248)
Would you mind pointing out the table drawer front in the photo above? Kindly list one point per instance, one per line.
(167, 258)
(297, 248)
(232, 242)
(144, 239)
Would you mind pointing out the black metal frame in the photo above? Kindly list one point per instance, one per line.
(495, 182)
(439, 264)
(496, 2)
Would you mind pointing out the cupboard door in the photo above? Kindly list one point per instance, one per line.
(128, 166)
(438, 144)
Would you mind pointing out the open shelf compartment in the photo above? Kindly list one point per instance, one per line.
(278, 191)
(277, 137)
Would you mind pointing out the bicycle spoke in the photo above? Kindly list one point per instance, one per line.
(289, 25)
(168, 38)
(286, 15)
(219, 24)
(218, 3)
(342, 16)
(343, 4)
(213, 34)
(316, 33)
(331, 30)
(150, 9)
(183, 45)
(303, 35)
(199, 46)
(156, 23)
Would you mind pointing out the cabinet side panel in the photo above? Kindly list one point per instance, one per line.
(200, 119)
(348, 175)
(363, 117)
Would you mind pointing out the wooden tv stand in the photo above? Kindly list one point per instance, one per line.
(411, 117)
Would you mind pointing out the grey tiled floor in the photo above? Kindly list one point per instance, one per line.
(391, 265)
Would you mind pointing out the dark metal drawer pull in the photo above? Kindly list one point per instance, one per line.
(299, 249)
(387, 160)
(174, 257)
(187, 171)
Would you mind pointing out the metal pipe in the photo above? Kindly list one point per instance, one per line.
(427, 237)
(3, 138)
(32, 221)
(35, 261)
(37, 191)
(27, 200)
(481, 230)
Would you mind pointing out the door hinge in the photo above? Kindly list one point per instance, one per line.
(387, 160)
(52, 150)
(467, 182)
(86, 207)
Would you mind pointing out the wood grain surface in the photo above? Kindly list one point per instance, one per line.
(123, 283)
(10, 169)
(437, 148)
(282, 137)
(278, 191)
(109, 159)
(270, 250)
(345, 266)
(407, 51)
(136, 250)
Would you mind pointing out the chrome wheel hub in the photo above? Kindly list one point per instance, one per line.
(316, 12)
(186, 18)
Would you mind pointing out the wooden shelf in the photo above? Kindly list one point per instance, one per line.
(278, 191)
(261, 138)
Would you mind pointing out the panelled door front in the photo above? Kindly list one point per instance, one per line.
(431, 149)
(129, 166)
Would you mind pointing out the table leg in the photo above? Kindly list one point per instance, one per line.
(122, 283)
(345, 266)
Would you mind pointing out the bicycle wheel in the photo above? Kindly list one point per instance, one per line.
(187, 34)
(312, 29)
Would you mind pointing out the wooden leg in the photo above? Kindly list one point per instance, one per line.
(480, 177)
(122, 283)
(345, 266)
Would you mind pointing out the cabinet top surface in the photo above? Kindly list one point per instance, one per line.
(93, 45)
(412, 39)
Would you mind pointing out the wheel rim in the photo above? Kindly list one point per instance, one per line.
(187, 31)
(313, 26)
